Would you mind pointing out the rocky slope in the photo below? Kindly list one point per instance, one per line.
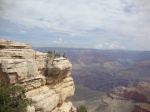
(122, 99)
(47, 80)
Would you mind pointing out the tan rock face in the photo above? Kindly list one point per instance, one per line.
(47, 80)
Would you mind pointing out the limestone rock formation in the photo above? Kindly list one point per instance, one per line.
(47, 80)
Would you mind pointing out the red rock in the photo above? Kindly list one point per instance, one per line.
(141, 107)
(134, 95)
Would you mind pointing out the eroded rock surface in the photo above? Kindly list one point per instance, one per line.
(47, 80)
(122, 99)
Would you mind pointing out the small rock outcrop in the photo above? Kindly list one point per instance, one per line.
(47, 80)
(144, 104)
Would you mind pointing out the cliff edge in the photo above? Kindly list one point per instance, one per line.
(47, 80)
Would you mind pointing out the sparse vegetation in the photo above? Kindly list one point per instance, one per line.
(13, 99)
(50, 53)
(57, 55)
(82, 108)
(80, 93)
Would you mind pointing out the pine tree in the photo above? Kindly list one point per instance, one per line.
(13, 99)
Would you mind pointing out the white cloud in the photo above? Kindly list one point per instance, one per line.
(112, 45)
(129, 20)
(22, 32)
(59, 41)
(74, 16)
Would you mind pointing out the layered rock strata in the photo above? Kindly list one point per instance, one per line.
(47, 80)
(122, 99)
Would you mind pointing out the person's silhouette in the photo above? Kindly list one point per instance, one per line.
(64, 56)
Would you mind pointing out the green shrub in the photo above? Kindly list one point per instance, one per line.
(50, 53)
(82, 108)
(13, 99)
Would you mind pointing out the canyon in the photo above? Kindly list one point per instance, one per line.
(97, 72)
(105, 80)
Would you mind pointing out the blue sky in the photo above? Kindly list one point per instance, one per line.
(100, 24)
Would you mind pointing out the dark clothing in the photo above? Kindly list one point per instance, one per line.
(64, 56)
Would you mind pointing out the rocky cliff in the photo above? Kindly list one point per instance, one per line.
(47, 80)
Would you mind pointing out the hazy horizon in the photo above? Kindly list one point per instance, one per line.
(72, 48)
(97, 24)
